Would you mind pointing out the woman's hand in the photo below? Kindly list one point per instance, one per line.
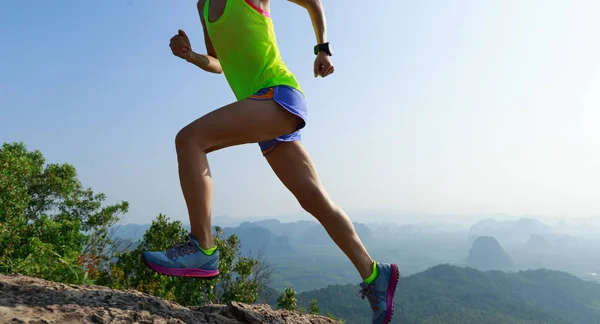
(323, 66)
(180, 46)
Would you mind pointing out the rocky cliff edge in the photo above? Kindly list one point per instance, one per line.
(25, 299)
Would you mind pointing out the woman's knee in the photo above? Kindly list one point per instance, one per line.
(316, 202)
(188, 137)
(181, 139)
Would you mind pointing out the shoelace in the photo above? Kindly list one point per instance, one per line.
(369, 293)
(180, 249)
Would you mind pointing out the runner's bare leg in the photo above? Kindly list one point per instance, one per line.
(242, 122)
(294, 167)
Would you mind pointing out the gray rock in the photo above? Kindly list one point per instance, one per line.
(31, 300)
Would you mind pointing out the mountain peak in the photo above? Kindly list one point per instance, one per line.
(487, 254)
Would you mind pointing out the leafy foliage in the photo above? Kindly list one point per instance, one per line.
(313, 307)
(50, 225)
(241, 277)
(54, 228)
(287, 300)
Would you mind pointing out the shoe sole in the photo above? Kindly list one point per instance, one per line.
(391, 293)
(194, 273)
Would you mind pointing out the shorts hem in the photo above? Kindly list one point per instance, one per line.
(289, 99)
(276, 142)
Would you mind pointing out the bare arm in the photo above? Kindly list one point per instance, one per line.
(322, 66)
(317, 16)
(208, 62)
(181, 47)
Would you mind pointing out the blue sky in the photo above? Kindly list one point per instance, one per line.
(448, 107)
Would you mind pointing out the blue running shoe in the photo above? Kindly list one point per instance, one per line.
(183, 260)
(381, 291)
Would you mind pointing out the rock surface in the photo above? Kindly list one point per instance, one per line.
(25, 299)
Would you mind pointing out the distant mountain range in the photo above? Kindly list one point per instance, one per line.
(305, 258)
(270, 237)
(516, 231)
(519, 231)
(508, 232)
(134, 232)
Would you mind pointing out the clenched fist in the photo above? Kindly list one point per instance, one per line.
(323, 66)
(180, 46)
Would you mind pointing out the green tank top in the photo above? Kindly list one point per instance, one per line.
(245, 43)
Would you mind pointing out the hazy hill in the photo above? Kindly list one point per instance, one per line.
(510, 231)
(256, 240)
(135, 232)
(316, 235)
(292, 230)
(447, 294)
(131, 232)
(301, 233)
(537, 243)
(487, 254)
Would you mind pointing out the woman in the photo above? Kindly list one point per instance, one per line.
(270, 110)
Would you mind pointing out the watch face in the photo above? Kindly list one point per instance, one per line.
(330, 49)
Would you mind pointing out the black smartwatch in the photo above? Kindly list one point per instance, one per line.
(325, 47)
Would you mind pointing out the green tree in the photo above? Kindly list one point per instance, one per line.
(287, 300)
(313, 307)
(240, 278)
(50, 225)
